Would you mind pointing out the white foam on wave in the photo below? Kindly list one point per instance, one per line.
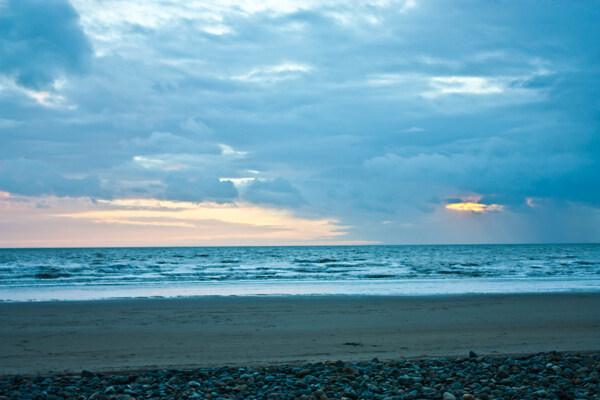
(417, 287)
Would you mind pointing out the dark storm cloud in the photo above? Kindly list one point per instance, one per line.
(40, 40)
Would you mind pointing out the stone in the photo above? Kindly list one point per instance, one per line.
(557, 376)
(241, 388)
(350, 370)
(87, 374)
(303, 373)
(144, 380)
(109, 390)
(349, 393)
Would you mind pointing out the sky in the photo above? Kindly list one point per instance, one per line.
(284, 122)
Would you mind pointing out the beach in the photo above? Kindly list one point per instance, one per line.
(141, 334)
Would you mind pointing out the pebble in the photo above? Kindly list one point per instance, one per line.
(241, 388)
(553, 375)
(303, 373)
(87, 374)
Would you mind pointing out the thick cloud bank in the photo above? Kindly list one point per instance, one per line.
(376, 114)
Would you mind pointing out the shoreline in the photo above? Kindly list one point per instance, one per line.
(140, 334)
(323, 296)
(282, 288)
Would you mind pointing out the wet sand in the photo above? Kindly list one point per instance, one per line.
(137, 334)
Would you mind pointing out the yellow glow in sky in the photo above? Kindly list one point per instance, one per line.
(72, 222)
(273, 223)
(474, 207)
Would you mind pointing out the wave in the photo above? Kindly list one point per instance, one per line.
(23, 267)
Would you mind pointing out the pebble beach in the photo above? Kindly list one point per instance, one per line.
(541, 376)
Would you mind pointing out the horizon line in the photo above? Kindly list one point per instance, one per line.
(306, 245)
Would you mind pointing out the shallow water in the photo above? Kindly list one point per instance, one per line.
(44, 274)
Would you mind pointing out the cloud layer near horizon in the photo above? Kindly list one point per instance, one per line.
(376, 114)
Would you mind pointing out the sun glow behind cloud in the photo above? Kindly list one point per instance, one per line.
(474, 207)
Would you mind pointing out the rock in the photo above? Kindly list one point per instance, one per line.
(87, 374)
(97, 396)
(472, 354)
(241, 388)
(120, 380)
(350, 370)
(557, 376)
(144, 381)
(301, 384)
(109, 390)
(349, 393)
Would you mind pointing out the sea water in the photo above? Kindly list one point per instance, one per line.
(101, 273)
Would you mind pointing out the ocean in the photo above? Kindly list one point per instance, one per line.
(103, 273)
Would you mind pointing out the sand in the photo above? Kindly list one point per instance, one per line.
(122, 335)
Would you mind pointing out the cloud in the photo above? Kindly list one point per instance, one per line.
(474, 207)
(41, 41)
(199, 189)
(274, 73)
(278, 192)
(465, 84)
(413, 129)
(364, 111)
(6, 123)
(34, 178)
(168, 143)
(195, 125)
(143, 222)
